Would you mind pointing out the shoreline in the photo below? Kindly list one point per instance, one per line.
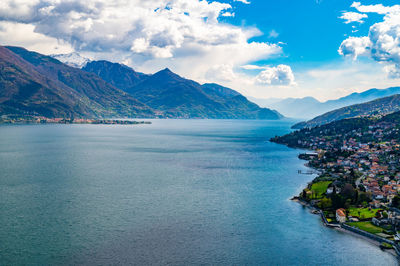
(316, 211)
(338, 227)
(75, 122)
(371, 241)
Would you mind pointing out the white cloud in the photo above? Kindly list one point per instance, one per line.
(222, 72)
(279, 75)
(383, 41)
(228, 14)
(150, 34)
(243, 1)
(158, 27)
(350, 17)
(339, 79)
(379, 8)
(25, 35)
(355, 46)
(253, 67)
(21, 9)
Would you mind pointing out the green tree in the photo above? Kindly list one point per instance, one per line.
(348, 191)
(396, 201)
(325, 203)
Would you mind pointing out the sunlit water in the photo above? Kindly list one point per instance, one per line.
(174, 192)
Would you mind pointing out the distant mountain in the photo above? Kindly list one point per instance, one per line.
(72, 59)
(34, 84)
(380, 106)
(265, 102)
(121, 76)
(361, 97)
(177, 97)
(305, 107)
(309, 107)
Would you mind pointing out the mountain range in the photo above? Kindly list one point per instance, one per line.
(381, 106)
(309, 107)
(34, 84)
(176, 96)
(39, 85)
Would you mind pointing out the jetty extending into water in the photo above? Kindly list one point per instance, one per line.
(308, 172)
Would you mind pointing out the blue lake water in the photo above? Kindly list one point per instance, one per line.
(173, 192)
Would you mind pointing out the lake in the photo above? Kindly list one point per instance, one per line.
(173, 192)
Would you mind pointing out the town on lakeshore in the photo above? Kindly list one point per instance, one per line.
(358, 182)
(46, 120)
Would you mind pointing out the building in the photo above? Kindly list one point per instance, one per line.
(341, 215)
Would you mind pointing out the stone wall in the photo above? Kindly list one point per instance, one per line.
(366, 234)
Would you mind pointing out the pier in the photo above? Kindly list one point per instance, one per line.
(308, 172)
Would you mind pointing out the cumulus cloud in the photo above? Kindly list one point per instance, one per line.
(25, 35)
(222, 72)
(393, 71)
(149, 34)
(279, 75)
(355, 46)
(350, 17)
(152, 28)
(383, 41)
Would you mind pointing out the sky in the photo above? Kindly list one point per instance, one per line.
(262, 48)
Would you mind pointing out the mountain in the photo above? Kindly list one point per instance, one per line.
(305, 107)
(309, 107)
(72, 59)
(32, 84)
(177, 97)
(380, 106)
(236, 102)
(361, 129)
(35, 84)
(215, 90)
(265, 102)
(119, 75)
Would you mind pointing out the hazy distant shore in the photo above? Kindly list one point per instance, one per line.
(43, 120)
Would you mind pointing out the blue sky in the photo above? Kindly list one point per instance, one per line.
(285, 48)
(311, 30)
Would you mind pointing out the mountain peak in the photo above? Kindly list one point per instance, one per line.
(166, 70)
(73, 59)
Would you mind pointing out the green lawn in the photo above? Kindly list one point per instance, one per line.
(367, 226)
(319, 188)
(365, 213)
